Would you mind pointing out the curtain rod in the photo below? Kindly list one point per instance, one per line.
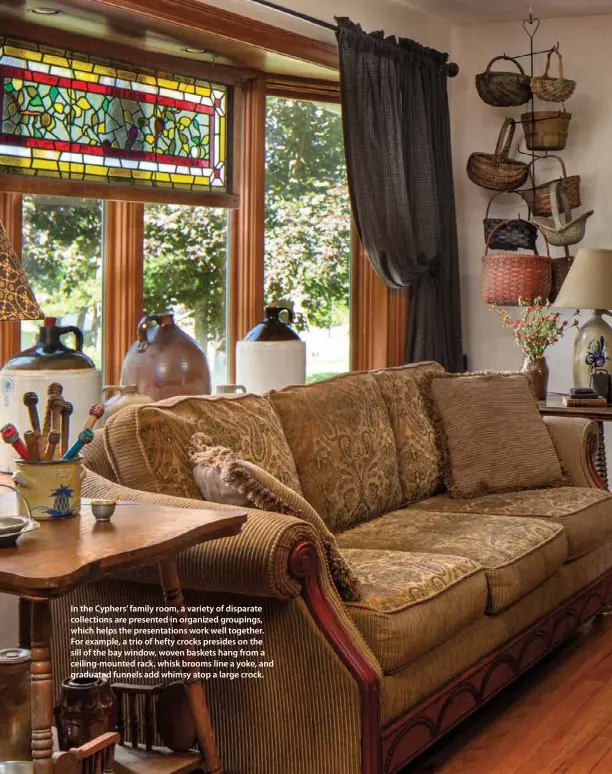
(453, 68)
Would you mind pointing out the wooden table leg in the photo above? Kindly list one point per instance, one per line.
(25, 623)
(601, 465)
(194, 686)
(42, 688)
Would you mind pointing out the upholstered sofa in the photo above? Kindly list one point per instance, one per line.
(456, 597)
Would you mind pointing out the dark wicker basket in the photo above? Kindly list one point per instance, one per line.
(496, 171)
(504, 89)
(506, 277)
(516, 234)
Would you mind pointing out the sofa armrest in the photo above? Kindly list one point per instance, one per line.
(256, 562)
(576, 441)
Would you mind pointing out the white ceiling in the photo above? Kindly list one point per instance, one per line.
(483, 11)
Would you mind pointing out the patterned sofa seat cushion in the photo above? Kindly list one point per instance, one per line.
(343, 445)
(418, 455)
(585, 513)
(492, 436)
(517, 553)
(148, 444)
(411, 602)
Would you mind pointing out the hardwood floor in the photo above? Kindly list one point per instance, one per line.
(557, 719)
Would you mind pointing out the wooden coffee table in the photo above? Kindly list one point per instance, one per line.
(66, 553)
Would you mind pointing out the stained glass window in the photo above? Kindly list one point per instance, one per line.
(67, 115)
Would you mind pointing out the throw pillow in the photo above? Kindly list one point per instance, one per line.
(418, 456)
(491, 434)
(147, 444)
(344, 449)
(217, 467)
(214, 489)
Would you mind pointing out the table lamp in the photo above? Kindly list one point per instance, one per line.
(588, 285)
(17, 301)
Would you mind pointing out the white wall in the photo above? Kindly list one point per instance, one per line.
(391, 16)
(587, 56)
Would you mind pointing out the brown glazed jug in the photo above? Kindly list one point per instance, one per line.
(15, 709)
(273, 328)
(165, 361)
(50, 353)
(87, 708)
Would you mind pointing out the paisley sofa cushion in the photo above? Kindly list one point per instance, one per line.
(418, 456)
(411, 602)
(585, 513)
(148, 445)
(516, 553)
(344, 448)
(491, 433)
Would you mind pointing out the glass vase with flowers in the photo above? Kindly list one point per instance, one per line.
(537, 328)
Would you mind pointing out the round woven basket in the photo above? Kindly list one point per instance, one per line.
(506, 277)
(562, 231)
(546, 129)
(538, 198)
(496, 171)
(503, 89)
(550, 89)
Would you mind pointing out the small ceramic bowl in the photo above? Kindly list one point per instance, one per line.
(9, 539)
(10, 524)
(103, 509)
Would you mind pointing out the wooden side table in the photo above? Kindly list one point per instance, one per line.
(66, 553)
(553, 406)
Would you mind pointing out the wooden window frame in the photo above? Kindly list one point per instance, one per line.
(12, 218)
(123, 268)
(246, 269)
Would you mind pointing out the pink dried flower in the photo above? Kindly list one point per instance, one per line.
(537, 328)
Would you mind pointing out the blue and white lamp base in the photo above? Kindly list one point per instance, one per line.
(592, 348)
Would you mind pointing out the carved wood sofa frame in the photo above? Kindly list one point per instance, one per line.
(387, 749)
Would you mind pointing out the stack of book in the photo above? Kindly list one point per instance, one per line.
(584, 397)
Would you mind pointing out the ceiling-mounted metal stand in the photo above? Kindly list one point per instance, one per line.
(531, 25)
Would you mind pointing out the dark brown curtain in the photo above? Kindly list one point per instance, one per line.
(397, 143)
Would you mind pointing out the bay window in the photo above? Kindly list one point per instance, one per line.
(308, 227)
(62, 258)
(130, 190)
(185, 272)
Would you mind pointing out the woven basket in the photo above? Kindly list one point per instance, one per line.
(552, 89)
(538, 198)
(506, 277)
(559, 270)
(561, 232)
(503, 89)
(546, 129)
(516, 234)
(496, 171)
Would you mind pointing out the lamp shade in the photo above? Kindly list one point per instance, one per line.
(588, 284)
(17, 301)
